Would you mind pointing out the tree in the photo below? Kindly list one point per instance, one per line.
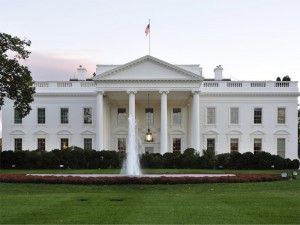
(286, 78)
(15, 79)
(278, 79)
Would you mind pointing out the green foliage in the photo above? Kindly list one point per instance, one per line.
(278, 79)
(286, 78)
(77, 158)
(15, 79)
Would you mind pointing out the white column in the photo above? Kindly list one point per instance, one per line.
(99, 122)
(196, 122)
(164, 122)
(132, 103)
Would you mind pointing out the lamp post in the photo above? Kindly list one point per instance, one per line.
(149, 137)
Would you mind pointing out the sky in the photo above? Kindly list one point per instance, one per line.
(251, 39)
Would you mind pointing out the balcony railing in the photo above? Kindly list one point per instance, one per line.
(63, 84)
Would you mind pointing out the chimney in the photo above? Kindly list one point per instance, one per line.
(81, 73)
(218, 73)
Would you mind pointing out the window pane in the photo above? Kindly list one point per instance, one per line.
(87, 116)
(41, 144)
(176, 116)
(234, 145)
(176, 145)
(64, 115)
(122, 120)
(211, 144)
(281, 115)
(257, 145)
(257, 115)
(18, 144)
(64, 143)
(149, 115)
(18, 118)
(122, 144)
(211, 115)
(281, 147)
(234, 115)
(87, 145)
(41, 116)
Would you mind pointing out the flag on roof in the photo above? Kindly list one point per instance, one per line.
(147, 30)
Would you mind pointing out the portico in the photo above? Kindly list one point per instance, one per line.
(171, 89)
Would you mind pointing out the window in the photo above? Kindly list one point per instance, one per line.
(234, 115)
(281, 115)
(87, 116)
(64, 143)
(87, 144)
(18, 118)
(18, 144)
(281, 147)
(176, 116)
(257, 115)
(234, 145)
(176, 145)
(257, 145)
(64, 115)
(122, 120)
(210, 144)
(149, 115)
(41, 144)
(122, 145)
(211, 115)
(41, 116)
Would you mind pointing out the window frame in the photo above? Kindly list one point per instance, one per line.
(232, 147)
(62, 117)
(284, 116)
(17, 117)
(257, 119)
(86, 145)
(87, 118)
(41, 119)
(176, 116)
(232, 115)
(176, 145)
(41, 146)
(62, 143)
(18, 146)
(257, 145)
(281, 147)
(211, 119)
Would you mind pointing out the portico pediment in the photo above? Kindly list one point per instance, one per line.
(149, 68)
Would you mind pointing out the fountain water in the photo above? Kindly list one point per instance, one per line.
(131, 165)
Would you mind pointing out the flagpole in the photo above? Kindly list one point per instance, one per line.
(149, 38)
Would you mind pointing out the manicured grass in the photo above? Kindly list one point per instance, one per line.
(246, 203)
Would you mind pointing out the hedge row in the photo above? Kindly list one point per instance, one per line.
(239, 178)
(77, 158)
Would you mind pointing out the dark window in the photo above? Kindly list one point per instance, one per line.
(41, 144)
(176, 145)
(257, 115)
(18, 118)
(64, 115)
(87, 145)
(234, 145)
(257, 145)
(41, 116)
(64, 143)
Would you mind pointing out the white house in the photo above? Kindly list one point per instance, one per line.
(179, 107)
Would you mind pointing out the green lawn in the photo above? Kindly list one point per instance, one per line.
(246, 203)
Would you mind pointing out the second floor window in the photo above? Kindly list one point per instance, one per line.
(257, 116)
(87, 116)
(211, 115)
(176, 116)
(234, 115)
(64, 115)
(17, 117)
(41, 116)
(149, 115)
(281, 115)
(122, 120)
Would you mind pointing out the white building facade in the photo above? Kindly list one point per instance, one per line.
(180, 108)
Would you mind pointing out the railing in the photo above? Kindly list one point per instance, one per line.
(63, 84)
(248, 84)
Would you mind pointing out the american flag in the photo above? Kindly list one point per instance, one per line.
(147, 30)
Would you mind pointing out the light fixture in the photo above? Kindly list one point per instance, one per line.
(284, 175)
(149, 137)
(294, 174)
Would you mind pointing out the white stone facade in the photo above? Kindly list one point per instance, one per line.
(184, 111)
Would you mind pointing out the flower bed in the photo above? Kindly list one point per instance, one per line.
(239, 178)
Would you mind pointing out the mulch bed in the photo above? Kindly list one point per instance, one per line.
(239, 178)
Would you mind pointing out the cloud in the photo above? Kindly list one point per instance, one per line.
(56, 67)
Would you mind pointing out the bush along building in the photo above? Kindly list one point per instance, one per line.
(173, 104)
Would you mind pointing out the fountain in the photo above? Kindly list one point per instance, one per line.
(131, 164)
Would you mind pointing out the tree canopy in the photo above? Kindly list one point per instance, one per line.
(15, 80)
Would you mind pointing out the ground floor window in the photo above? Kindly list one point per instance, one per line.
(234, 145)
(64, 143)
(122, 145)
(257, 145)
(176, 145)
(41, 144)
(281, 147)
(87, 144)
(18, 144)
(210, 144)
